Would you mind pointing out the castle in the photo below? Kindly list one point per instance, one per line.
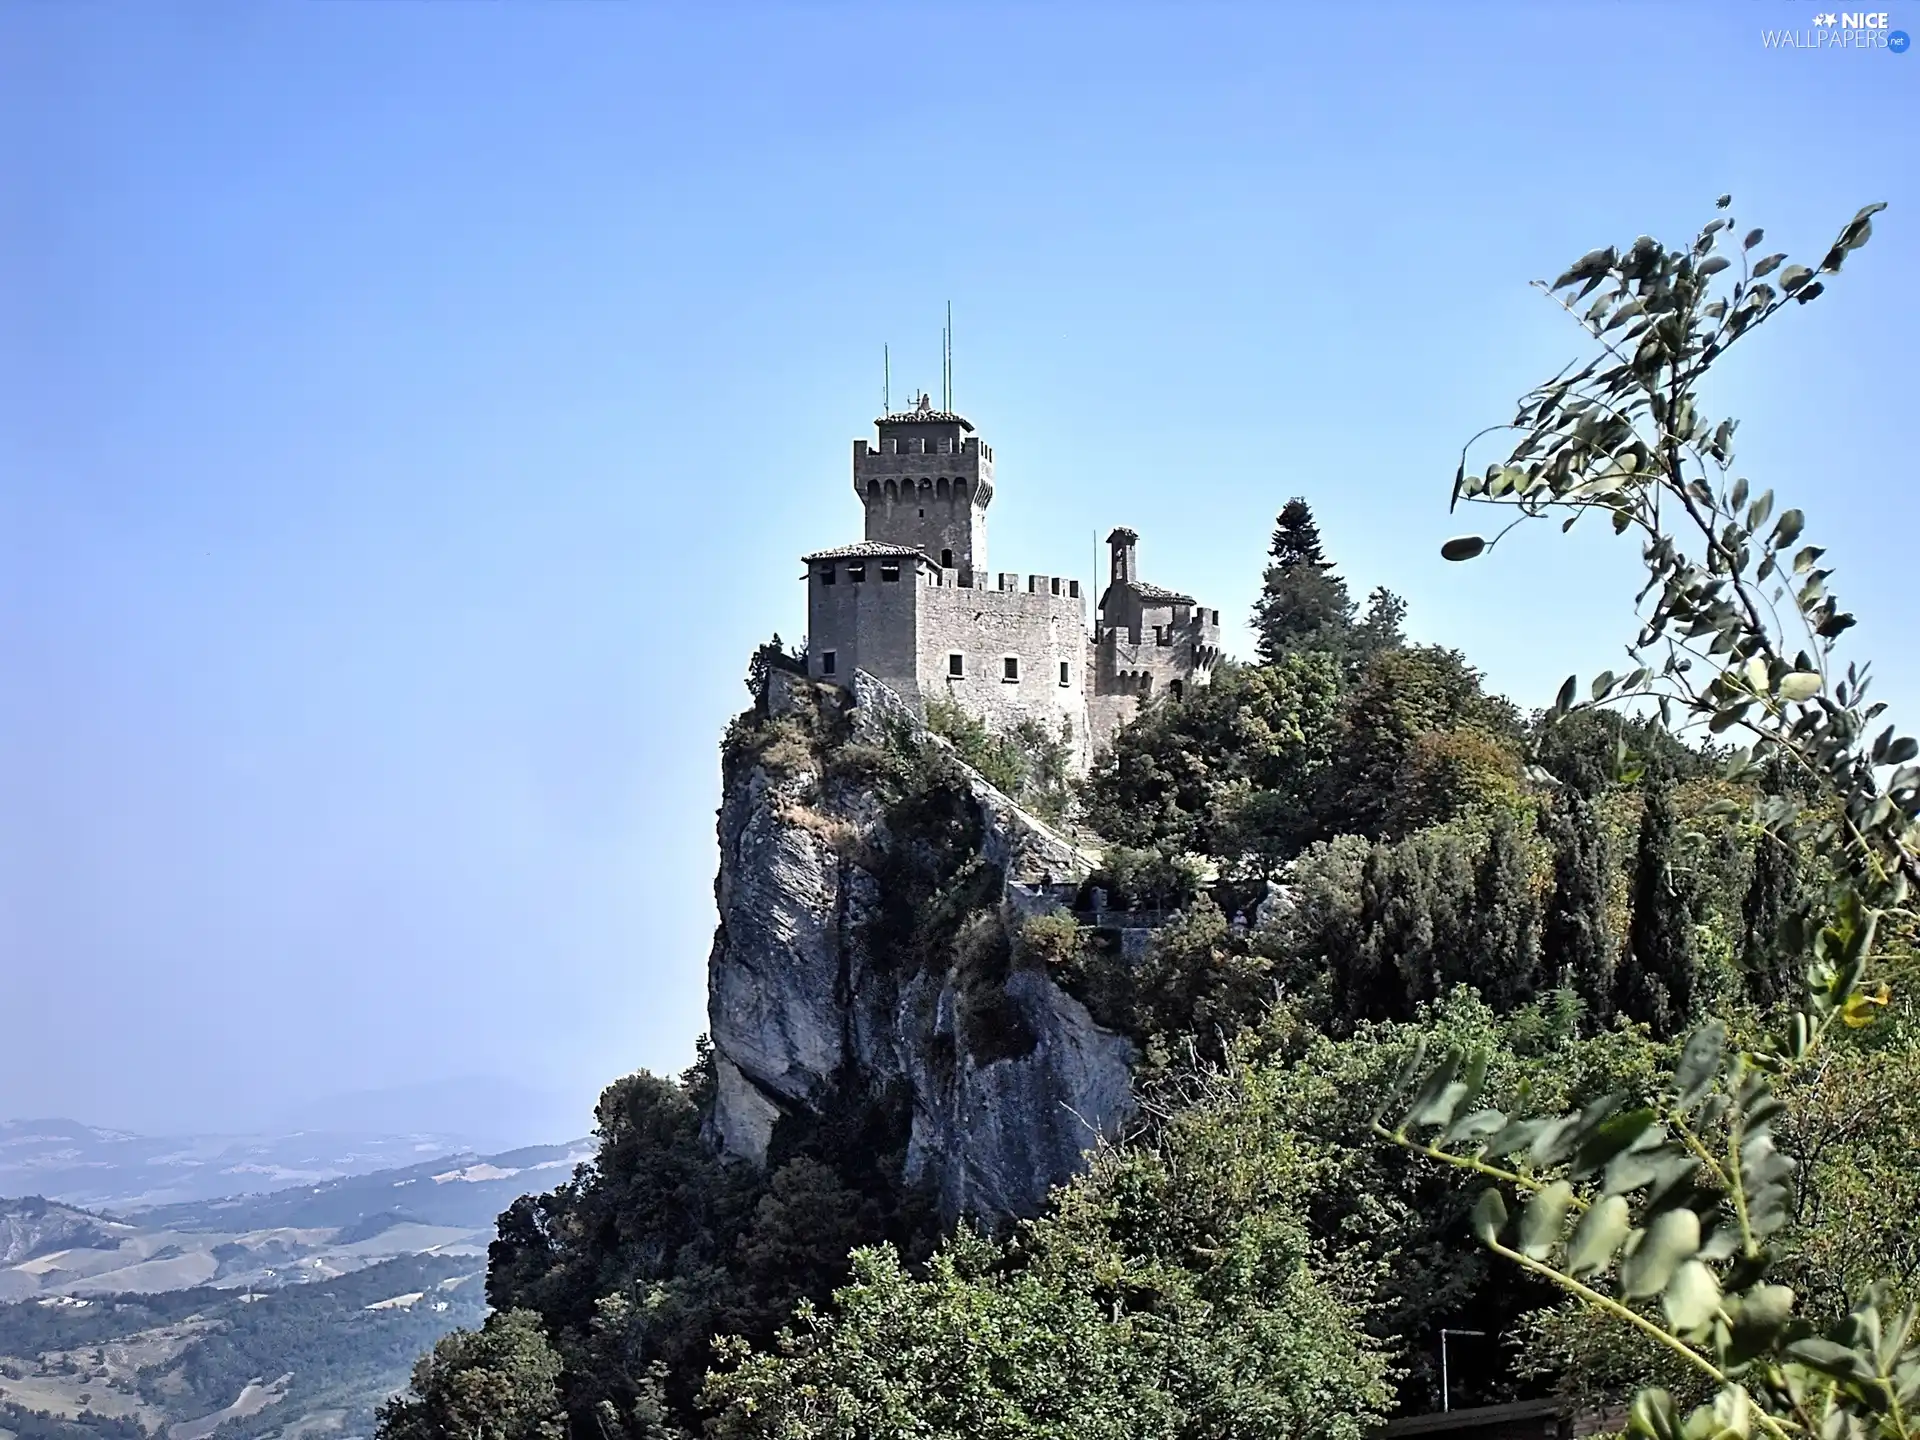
(913, 605)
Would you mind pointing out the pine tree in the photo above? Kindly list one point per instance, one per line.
(1657, 974)
(1382, 627)
(1576, 941)
(1296, 538)
(1773, 894)
(1303, 605)
(1505, 941)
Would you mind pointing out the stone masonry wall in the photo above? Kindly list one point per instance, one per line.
(1039, 628)
(868, 624)
(918, 494)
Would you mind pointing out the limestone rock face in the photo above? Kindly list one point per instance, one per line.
(803, 1008)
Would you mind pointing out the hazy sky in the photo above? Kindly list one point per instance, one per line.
(411, 414)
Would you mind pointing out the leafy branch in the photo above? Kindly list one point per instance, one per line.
(1678, 1202)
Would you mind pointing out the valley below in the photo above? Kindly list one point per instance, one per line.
(292, 1311)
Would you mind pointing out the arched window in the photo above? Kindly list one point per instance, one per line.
(1178, 689)
(943, 489)
(893, 492)
(946, 559)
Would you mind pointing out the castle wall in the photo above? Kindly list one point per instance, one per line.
(939, 519)
(867, 625)
(1040, 620)
(927, 490)
(1131, 668)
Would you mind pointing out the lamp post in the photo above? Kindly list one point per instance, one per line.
(1446, 1389)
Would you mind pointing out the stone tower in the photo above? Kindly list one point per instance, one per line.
(927, 486)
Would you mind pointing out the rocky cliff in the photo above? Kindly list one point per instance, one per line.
(871, 892)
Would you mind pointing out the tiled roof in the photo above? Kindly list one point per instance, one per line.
(925, 417)
(1159, 592)
(861, 549)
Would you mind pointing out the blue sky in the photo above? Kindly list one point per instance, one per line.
(411, 414)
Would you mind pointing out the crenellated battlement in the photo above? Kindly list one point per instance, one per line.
(915, 604)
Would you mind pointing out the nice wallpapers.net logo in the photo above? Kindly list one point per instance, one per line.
(1841, 30)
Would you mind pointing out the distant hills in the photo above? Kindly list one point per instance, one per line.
(267, 1241)
(93, 1167)
(291, 1311)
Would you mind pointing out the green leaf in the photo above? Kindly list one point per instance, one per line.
(1544, 1218)
(1463, 547)
(1609, 1138)
(1692, 1298)
(1409, 1067)
(1489, 1216)
(1830, 1358)
(1754, 237)
(1430, 1095)
(1646, 1268)
(1597, 1236)
(1652, 1415)
(1714, 266)
(1789, 528)
(1699, 1063)
(1768, 264)
(1563, 702)
(1800, 685)
(1793, 277)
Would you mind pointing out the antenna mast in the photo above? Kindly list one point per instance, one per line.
(946, 361)
(886, 381)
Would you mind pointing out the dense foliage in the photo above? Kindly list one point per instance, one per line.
(1675, 1215)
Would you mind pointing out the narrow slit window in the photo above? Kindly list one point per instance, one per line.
(827, 658)
(956, 666)
(1066, 675)
(1010, 669)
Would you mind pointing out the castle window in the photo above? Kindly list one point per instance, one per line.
(923, 514)
(946, 559)
(826, 662)
(956, 666)
(857, 572)
(1066, 675)
(1010, 669)
(889, 569)
(826, 574)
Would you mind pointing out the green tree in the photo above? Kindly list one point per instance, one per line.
(500, 1382)
(1658, 971)
(1382, 627)
(1774, 894)
(1594, 750)
(1398, 697)
(1576, 938)
(1231, 770)
(1175, 1291)
(1303, 604)
(1504, 940)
